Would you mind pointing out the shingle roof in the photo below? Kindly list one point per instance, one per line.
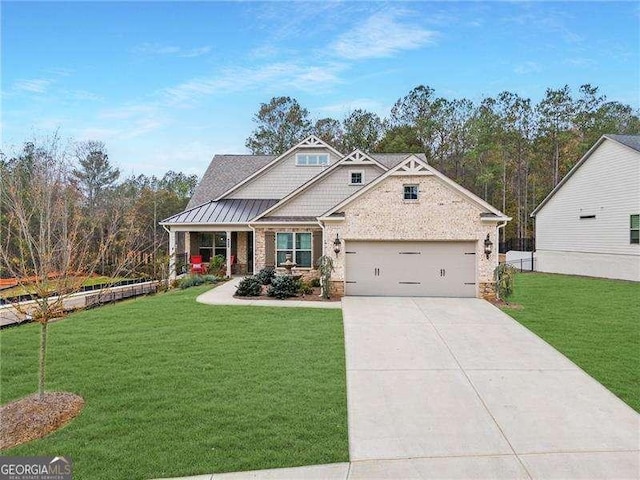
(224, 172)
(390, 160)
(222, 211)
(631, 141)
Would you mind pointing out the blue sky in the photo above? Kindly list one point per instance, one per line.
(166, 85)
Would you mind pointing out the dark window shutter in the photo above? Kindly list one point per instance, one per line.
(269, 249)
(317, 247)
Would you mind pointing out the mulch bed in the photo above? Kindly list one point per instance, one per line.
(310, 297)
(502, 304)
(30, 418)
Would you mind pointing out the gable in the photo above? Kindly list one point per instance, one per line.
(616, 147)
(328, 191)
(413, 166)
(284, 176)
(274, 174)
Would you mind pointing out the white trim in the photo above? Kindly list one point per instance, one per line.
(575, 168)
(211, 227)
(362, 180)
(293, 249)
(413, 163)
(310, 142)
(317, 178)
(404, 192)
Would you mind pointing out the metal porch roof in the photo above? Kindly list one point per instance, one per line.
(222, 211)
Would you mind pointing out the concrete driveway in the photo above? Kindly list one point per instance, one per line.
(454, 388)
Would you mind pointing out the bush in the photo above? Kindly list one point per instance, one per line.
(217, 266)
(249, 287)
(283, 286)
(265, 275)
(504, 276)
(190, 281)
(305, 288)
(315, 283)
(195, 280)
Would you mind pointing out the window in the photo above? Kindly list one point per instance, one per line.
(411, 192)
(635, 228)
(356, 178)
(315, 159)
(211, 244)
(296, 244)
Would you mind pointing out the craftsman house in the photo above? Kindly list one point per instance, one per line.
(392, 223)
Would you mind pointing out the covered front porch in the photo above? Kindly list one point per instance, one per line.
(233, 246)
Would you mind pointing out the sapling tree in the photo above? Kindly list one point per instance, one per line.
(49, 243)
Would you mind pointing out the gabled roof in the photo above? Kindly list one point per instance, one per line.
(223, 173)
(357, 157)
(390, 160)
(414, 165)
(222, 211)
(310, 142)
(629, 141)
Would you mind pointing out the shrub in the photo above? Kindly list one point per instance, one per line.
(283, 286)
(315, 283)
(305, 288)
(190, 281)
(266, 275)
(325, 265)
(217, 266)
(504, 276)
(195, 280)
(249, 287)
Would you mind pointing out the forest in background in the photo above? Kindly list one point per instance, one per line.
(506, 149)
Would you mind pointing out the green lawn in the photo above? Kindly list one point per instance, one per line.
(173, 387)
(594, 322)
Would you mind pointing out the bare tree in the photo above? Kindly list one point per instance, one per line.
(47, 242)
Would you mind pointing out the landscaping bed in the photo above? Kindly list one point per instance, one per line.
(593, 321)
(174, 388)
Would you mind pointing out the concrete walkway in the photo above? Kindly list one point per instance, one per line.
(454, 388)
(223, 295)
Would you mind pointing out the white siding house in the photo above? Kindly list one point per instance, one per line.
(588, 225)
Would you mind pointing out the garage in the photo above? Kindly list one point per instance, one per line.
(410, 269)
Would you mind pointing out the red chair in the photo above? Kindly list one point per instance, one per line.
(196, 265)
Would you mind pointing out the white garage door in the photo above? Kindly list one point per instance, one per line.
(410, 269)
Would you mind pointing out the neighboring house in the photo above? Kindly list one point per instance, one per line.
(401, 227)
(589, 224)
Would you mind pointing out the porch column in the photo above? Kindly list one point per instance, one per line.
(228, 254)
(172, 255)
(187, 245)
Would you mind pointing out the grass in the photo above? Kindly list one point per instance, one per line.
(173, 387)
(595, 322)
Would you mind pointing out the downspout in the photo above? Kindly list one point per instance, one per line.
(498, 227)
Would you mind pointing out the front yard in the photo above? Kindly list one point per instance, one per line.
(173, 387)
(594, 322)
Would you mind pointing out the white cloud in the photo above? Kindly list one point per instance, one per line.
(383, 34)
(170, 50)
(36, 85)
(527, 67)
(308, 78)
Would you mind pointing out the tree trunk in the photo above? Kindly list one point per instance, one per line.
(43, 354)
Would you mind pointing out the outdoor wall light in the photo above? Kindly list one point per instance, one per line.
(336, 244)
(488, 246)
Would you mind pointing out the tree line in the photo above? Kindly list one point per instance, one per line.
(506, 149)
(52, 190)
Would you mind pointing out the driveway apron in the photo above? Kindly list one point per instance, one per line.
(455, 388)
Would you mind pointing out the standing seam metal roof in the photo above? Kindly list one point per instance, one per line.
(223, 211)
